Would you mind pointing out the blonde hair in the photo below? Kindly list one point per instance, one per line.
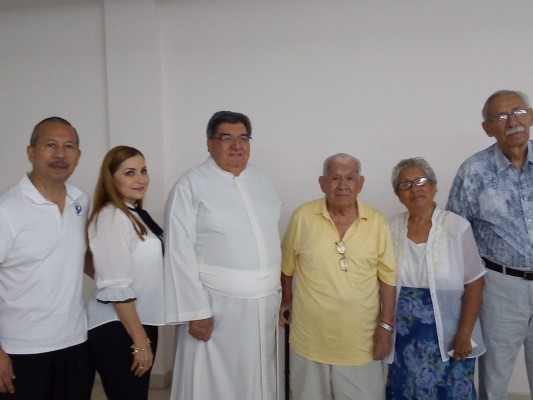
(106, 192)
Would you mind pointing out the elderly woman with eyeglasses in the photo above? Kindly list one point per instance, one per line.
(439, 289)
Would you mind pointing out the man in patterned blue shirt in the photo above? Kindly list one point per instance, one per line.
(493, 189)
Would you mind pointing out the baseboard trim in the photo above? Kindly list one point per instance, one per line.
(518, 396)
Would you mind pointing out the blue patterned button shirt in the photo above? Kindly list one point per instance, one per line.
(497, 199)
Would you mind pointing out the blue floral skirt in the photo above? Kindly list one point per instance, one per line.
(418, 371)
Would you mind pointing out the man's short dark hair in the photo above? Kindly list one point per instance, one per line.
(35, 133)
(229, 117)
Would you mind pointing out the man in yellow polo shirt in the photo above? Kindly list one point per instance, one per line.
(339, 251)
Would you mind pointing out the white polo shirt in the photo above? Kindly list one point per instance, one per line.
(41, 269)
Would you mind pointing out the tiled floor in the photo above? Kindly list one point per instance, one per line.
(158, 394)
(155, 394)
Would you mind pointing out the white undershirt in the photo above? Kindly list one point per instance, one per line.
(416, 275)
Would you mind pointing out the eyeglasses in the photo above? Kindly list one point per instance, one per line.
(503, 117)
(225, 138)
(417, 182)
(343, 262)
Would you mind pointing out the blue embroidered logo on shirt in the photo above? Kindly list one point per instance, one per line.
(79, 210)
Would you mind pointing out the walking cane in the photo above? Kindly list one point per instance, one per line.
(286, 315)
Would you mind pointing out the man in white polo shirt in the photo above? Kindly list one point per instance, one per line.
(43, 332)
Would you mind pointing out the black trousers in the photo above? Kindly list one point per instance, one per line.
(112, 358)
(65, 374)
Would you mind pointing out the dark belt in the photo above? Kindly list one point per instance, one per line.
(527, 275)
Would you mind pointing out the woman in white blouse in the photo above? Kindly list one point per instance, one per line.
(439, 289)
(127, 307)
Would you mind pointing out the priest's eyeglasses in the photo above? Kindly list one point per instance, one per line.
(417, 182)
(341, 249)
(225, 138)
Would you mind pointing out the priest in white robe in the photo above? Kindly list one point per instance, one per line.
(222, 268)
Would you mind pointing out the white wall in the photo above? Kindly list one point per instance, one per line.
(380, 80)
(52, 63)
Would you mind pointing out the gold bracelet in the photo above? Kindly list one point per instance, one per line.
(140, 348)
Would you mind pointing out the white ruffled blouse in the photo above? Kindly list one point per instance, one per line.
(126, 269)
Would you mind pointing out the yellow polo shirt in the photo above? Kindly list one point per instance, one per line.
(335, 313)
